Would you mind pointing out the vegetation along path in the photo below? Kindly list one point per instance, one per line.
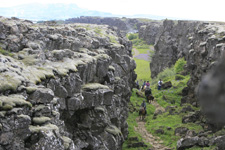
(149, 138)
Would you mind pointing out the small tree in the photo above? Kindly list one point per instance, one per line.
(179, 66)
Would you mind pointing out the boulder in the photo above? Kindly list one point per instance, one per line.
(167, 85)
(181, 131)
(185, 143)
(191, 117)
(159, 131)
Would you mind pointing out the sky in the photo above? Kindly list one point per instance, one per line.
(211, 10)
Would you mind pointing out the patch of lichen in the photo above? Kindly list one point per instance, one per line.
(66, 142)
(111, 68)
(9, 81)
(24, 116)
(8, 102)
(41, 120)
(45, 128)
(94, 86)
(113, 130)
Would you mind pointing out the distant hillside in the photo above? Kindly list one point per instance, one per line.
(60, 11)
(36, 11)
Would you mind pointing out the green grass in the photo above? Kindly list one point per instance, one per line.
(142, 70)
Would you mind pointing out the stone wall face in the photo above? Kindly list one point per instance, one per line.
(201, 43)
(63, 87)
(149, 32)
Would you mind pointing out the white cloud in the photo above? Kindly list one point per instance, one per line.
(188, 9)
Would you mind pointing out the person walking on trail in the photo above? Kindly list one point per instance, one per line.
(148, 92)
(148, 84)
(159, 84)
(143, 85)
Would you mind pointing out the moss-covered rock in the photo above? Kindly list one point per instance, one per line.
(41, 120)
(24, 116)
(113, 130)
(45, 128)
(94, 86)
(66, 142)
(14, 100)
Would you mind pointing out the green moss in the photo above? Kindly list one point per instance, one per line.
(29, 60)
(6, 53)
(66, 142)
(24, 116)
(45, 128)
(2, 113)
(9, 81)
(94, 86)
(41, 120)
(111, 68)
(30, 89)
(102, 56)
(39, 107)
(7, 107)
(113, 39)
(113, 130)
(98, 31)
(100, 109)
(14, 100)
(55, 113)
(0, 103)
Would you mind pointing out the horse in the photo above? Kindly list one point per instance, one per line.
(150, 98)
(142, 113)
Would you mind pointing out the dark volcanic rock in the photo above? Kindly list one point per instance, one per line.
(66, 86)
(185, 143)
(181, 131)
(200, 43)
(167, 85)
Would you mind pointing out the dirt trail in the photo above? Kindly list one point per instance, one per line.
(148, 137)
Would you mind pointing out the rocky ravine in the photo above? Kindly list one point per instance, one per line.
(63, 87)
(201, 43)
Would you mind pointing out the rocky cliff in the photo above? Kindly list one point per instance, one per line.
(124, 24)
(63, 87)
(200, 43)
(149, 32)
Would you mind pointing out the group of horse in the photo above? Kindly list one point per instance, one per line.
(142, 111)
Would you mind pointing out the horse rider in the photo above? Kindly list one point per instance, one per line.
(148, 92)
(143, 105)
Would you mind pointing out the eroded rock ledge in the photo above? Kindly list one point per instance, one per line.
(63, 87)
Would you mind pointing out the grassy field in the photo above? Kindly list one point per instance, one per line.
(142, 70)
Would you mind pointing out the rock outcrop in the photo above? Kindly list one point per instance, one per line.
(149, 32)
(200, 43)
(63, 87)
(123, 24)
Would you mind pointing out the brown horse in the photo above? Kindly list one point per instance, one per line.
(142, 113)
(150, 98)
